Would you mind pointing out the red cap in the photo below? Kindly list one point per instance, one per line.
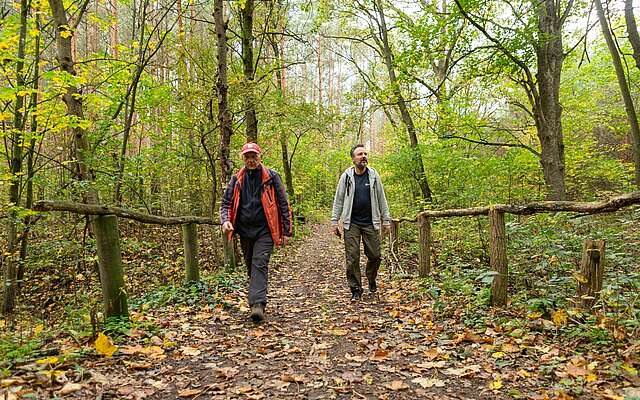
(250, 148)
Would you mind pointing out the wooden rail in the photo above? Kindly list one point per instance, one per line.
(498, 240)
(99, 209)
(106, 219)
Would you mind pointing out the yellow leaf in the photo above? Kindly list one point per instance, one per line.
(591, 377)
(104, 345)
(580, 278)
(48, 360)
(38, 329)
(560, 317)
(66, 34)
(498, 354)
(2, 323)
(497, 384)
(534, 315)
(632, 371)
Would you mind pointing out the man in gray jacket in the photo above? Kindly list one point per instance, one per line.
(361, 204)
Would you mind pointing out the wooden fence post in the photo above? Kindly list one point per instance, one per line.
(114, 296)
(229, 253)
(425, 245)
(498, 258)
(591, 271)
(393, 236)
(190, 241)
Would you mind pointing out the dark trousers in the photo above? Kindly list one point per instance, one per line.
(371, 239)
(256, 254)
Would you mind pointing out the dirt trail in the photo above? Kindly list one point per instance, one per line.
(314, 344)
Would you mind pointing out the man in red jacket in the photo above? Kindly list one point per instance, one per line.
(255, 206)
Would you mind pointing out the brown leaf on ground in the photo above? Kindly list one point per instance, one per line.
(396, 385)
(189, 392)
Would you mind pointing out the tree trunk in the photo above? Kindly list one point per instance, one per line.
(130, 108)
(407, 120)
(624, 89)
(320, 82)
(15, 167)
(251, 120)
(284, 137)
(73, 101)
(632, 30)
(113, 27)
(30, 154)
(547, 108)
(224, 116)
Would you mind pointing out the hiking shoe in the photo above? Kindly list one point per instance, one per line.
(355, 296)
(257, 312)
(373, 287)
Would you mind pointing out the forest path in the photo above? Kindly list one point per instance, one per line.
(317, 344)
(314, 344)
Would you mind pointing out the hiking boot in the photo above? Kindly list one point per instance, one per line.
(373, 287)
(257, 312)
(356, 295)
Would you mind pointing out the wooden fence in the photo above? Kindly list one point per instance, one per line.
(109, 255)
(114, 295)
(593, 252)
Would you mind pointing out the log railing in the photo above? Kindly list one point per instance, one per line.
(106, 219)
(592, 262)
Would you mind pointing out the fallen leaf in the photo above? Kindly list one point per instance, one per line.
(428, 382)
(244, 389)
(433, 353)
(48, 360)
(292, 378)
(70, 388)
(497, 384)
(227, 372)
(431, 364)
(104, 346)
(189, 392)
(11, 382)
(190, 351)
(38, 329)
(560, 317)
(464, 371)
(396, 385)
(139, 365)
(379, 355)
(510, 348)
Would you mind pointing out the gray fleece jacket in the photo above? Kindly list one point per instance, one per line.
(343, 200)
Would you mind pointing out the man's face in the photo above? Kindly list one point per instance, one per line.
(251, 160)
(360, 157)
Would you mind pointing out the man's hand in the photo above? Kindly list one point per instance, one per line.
(286, 240)
(336, 231)
(226, 227)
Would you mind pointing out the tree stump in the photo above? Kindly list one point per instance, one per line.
(114, 295)
(425, 246)
(190, 241)
(498, 258)
(591, 272)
